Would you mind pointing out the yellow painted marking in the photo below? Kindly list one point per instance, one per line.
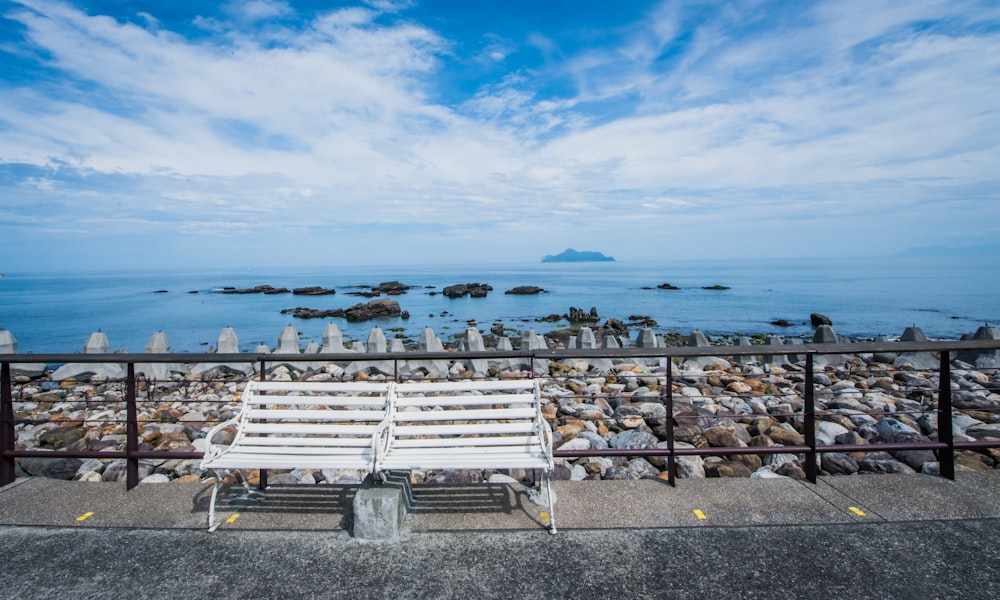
(699, 514)
(233, 518)
(856, 510)
(85, 516)
(544, 517)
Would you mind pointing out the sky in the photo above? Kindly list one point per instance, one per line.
(147, 134)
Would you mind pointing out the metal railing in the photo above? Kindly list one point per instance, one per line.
(945, 445)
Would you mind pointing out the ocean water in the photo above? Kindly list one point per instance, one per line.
(945, 297)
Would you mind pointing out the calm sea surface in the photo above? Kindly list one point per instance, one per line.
(946, 297)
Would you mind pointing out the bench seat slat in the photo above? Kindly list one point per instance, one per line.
(464, 415)
(303, 450)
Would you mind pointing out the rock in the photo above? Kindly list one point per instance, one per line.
(791, 469)
(53, 468)
(882, 462)
(667, 286)
(727, 436)
(117, 470)
(838, 463)
(473, 290)
(313, 291)
(889, 426)
(383, 307)
(818, 319)
(642, 468)
(765, 473)
(90, 477)
(634, 438)
(727, 468)
(827, 432)
(525, 290)
(391, 288)
(260, 289)
(971, 462)
(577, 315)
(786, 436)
(155, 478)
(851, 438)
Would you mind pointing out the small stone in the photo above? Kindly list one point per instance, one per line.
(155, 478)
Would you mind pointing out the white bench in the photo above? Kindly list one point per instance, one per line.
(467, 425)
(299, 425)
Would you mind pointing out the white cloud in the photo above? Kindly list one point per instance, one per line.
(338, 122)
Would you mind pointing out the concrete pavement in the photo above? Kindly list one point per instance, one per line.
(887, 536)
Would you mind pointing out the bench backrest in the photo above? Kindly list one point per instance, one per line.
(311, 415)
(471, 417)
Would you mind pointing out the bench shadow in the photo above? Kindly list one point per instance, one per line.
(323, 499)
(458, 498)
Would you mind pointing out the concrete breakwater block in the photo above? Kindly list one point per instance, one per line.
(915, 360)
(8, 345)
(97, 343)
(227, 343)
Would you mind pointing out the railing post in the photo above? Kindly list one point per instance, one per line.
(262, 482)
(671, 459)
(946, 458)
(7, 435)
(809, 421)
(131, 430)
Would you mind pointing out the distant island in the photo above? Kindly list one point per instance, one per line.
(571, 255)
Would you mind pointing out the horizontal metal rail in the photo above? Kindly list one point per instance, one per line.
(945, 446)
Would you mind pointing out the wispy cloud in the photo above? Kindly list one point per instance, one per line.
(262, 117)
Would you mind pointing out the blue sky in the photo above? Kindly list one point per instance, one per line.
(137, 134)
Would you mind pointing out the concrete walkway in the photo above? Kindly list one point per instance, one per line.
(887, 536)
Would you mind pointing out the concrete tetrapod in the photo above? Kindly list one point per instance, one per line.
(227, 343)
(8, 345)
(97, 343)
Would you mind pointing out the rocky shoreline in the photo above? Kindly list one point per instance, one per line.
(592, 405)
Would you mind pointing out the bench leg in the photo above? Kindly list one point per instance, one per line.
(552, 509)
(212, 525)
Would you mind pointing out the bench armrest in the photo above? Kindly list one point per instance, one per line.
(213, 450)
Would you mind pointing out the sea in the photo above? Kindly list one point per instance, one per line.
(863, 297)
